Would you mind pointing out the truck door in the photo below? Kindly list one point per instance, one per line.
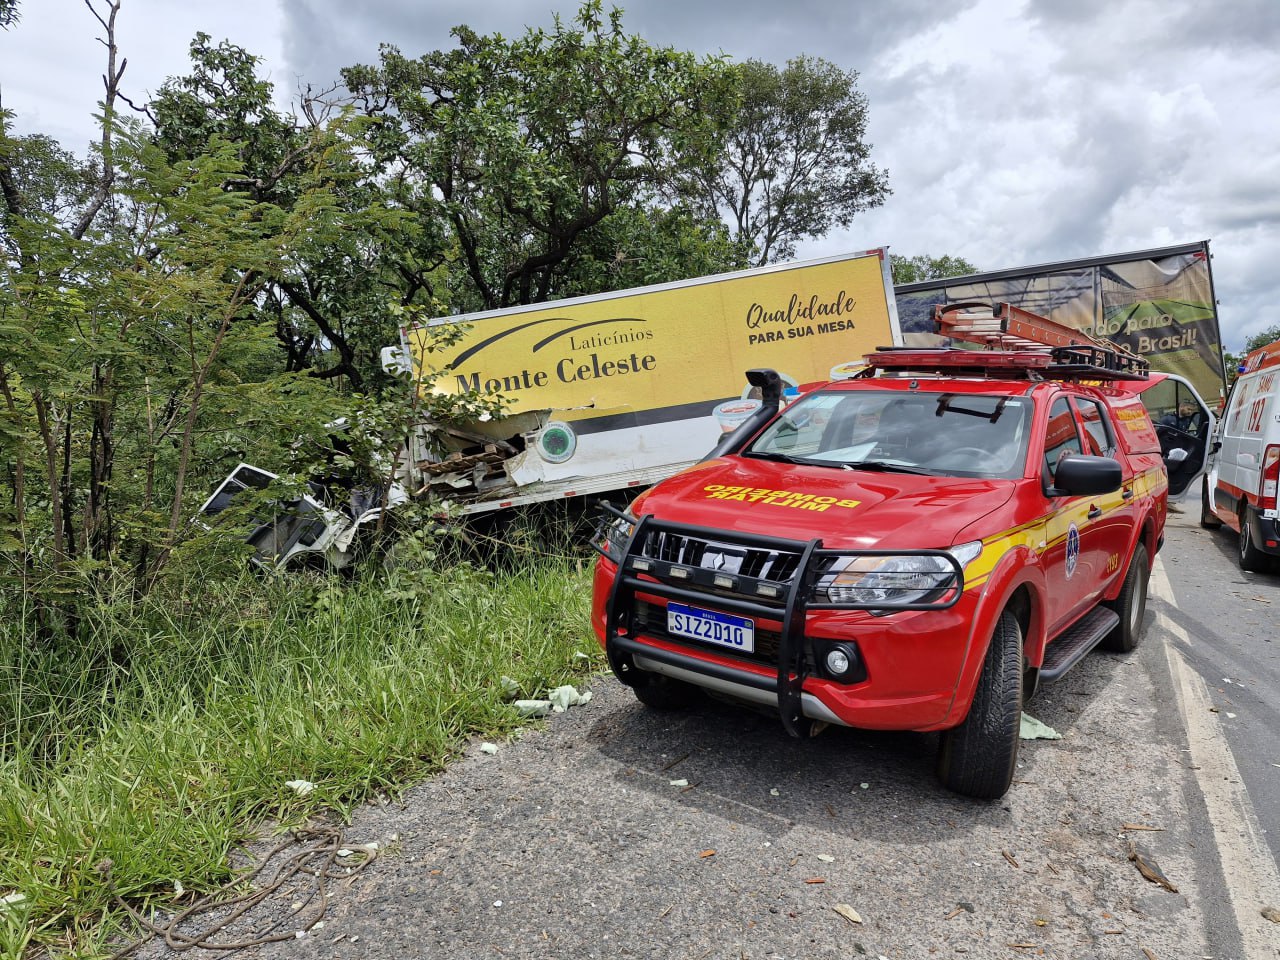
(1185, 426)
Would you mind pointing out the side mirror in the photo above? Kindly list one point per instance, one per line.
(1078, 476)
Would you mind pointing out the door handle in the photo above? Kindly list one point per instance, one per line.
(1095, 512)
(1128, 494)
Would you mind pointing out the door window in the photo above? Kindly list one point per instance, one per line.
(1061, 437)
(1098, 441)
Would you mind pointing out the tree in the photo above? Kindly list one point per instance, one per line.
(8, 13)
(512, 153)
(1232, 361)
(328, 317)
(924, 267)
(794, 161)
(1262, 338)
(132, 350)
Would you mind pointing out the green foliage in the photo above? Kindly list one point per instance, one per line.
(515, 154)
(120, 351)
(329, 300)
(793, 162)
(924, 267)
(8, 13)
(175, 723)
(1233, 361)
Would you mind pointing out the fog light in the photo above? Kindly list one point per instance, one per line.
(838, 662)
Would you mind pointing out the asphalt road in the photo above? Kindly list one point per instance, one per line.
(573, 841)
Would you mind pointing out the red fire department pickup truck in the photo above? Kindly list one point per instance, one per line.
(912, 549)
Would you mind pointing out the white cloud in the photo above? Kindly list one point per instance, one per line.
(1013, 133)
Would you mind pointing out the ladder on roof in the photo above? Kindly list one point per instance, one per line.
(1073, 353)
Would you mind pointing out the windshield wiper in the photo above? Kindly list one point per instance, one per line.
(888, 466)
(790, 458)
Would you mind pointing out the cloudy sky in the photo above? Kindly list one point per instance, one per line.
(1014, 132)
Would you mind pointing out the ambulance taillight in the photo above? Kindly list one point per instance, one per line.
(1270, 477)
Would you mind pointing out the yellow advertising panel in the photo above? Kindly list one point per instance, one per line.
(670, 346)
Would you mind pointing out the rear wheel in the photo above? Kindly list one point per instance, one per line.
(1131, 605)
(977, 758)
(664, 693)
(1251, 558)
(1208, 519)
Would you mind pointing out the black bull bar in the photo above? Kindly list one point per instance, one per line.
(774, 578)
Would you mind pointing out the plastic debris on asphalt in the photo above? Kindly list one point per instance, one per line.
(847, 912)
(562, 698)
(489, 748)
(678, 783)
(1033, 729)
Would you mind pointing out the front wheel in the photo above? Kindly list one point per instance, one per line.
(1131, 605)
(1251, 558)
(977, 758)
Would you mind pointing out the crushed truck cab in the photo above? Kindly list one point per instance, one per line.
(916, 548)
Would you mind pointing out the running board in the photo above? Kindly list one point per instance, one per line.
(1073, 644)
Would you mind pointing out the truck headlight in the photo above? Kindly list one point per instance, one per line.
(894, 580)
(612, 536)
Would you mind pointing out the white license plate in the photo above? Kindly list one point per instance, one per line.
(736, 633)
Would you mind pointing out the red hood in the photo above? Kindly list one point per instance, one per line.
(846, 508)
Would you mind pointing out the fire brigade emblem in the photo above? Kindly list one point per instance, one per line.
(1073, 549)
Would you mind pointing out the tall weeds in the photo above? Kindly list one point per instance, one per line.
(161, 736)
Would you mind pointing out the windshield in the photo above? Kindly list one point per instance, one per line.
(942, 434)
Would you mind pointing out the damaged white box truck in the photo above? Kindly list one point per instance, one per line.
(607, 392)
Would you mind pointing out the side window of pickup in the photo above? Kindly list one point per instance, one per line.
(1061, 437)
(1098, 440)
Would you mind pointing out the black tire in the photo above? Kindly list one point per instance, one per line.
(1251, 558)
(1208, 519)
(1131, 605)
(977, 758)
(665, 693)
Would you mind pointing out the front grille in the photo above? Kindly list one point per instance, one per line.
(738, 559)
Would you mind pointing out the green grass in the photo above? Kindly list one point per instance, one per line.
(164, 736)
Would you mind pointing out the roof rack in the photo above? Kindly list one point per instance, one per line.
(1014, 343)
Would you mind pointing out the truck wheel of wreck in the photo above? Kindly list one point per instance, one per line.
(977, 758)
(664, 693)
(1131, 605)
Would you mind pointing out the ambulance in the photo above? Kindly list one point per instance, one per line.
(1241, 485)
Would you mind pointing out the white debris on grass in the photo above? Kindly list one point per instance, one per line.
(510, 688)
(12, 899)
(532, 708)
(300, 787)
